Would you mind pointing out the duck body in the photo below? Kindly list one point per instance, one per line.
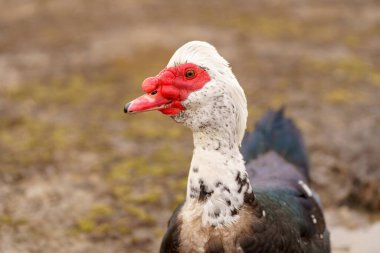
(281, 214)
(279, 230)
(246, 193)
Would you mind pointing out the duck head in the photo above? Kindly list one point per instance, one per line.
(198, 89)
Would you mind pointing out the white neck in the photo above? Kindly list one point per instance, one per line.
(217, 115)
(217, 179)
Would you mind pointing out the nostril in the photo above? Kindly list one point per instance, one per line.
(126, 107)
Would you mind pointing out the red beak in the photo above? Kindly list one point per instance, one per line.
(168, 89)
(146, 103)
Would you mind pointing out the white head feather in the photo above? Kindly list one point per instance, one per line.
(206, 56)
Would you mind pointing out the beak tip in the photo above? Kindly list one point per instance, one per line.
(126, 108)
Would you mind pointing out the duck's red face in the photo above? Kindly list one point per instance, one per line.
(168, 89)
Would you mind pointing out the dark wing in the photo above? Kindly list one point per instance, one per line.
(170, 242)
(275, 132)
(278, 171)
(293, 220)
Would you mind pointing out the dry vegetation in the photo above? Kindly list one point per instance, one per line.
(77, 175)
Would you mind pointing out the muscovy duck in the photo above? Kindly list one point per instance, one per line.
(257, 203)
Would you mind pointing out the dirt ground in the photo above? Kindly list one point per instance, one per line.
(77, 175)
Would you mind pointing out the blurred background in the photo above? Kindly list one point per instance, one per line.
(77, 175)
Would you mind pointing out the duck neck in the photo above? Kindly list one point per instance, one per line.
(218, 181)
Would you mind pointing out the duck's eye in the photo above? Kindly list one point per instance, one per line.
(153, 92)
(190, 74)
